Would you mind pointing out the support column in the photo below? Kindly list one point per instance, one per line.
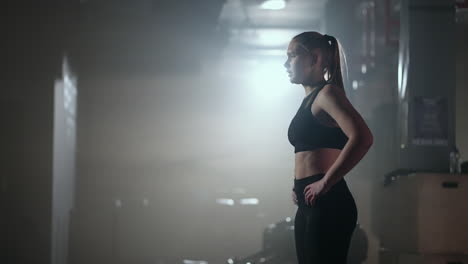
(426, 84)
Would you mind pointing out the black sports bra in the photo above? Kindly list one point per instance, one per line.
(306, 133)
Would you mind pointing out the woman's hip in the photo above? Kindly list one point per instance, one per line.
(338, 197)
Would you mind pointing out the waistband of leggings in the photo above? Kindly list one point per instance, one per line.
(300, 184)
(309, 179)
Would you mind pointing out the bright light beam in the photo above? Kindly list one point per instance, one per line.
(268, 81)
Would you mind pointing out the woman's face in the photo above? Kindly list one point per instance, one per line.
(299, 64)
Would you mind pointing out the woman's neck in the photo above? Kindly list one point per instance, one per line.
(310, 87)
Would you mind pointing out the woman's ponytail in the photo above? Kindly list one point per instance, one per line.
(334, 74)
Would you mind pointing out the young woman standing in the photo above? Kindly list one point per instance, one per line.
(329, 138)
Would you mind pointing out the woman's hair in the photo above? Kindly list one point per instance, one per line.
(331, 50)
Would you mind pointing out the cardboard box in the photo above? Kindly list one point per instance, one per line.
(407, 258)
(425, 213)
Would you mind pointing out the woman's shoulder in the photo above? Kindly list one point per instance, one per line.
(331, 88)
(331, 91)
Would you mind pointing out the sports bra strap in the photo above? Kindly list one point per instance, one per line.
(314, 93)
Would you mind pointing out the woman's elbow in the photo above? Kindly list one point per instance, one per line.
(367, 139)
(364, 140)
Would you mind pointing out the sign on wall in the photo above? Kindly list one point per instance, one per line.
(430, 121)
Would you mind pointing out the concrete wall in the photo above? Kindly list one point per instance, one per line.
(34, 41)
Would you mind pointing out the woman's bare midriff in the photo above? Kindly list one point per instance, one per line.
(308, 163)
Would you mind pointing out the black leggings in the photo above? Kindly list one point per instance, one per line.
(323, 231)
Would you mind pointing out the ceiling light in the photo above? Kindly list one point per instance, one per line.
(273, 4)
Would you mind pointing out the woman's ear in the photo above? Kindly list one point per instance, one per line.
(316, 57)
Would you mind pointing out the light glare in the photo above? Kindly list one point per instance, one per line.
(247, 201)
(189, 261)
(273, 5)
(364, 68)
(224, 201)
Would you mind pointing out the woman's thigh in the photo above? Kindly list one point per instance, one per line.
(323, 232)
(307, 234)
(335, 236)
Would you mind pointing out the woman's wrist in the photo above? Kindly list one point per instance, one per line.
(327, 183)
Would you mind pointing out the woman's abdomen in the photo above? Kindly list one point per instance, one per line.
(314, 162)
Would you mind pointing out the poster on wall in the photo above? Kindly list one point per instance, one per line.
(430, 121)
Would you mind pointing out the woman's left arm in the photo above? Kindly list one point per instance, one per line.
(360, 139)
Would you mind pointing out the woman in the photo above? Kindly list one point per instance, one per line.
(329, 138)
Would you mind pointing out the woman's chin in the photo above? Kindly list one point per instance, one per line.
(293, 80)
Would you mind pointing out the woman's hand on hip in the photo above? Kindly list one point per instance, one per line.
(313, 191)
